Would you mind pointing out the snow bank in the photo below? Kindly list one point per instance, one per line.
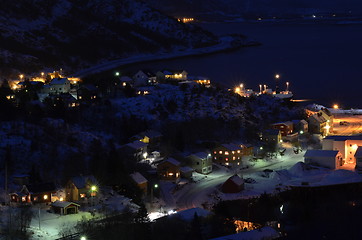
(298, 169)
(340, 176)
(262, 233)
(189, 214)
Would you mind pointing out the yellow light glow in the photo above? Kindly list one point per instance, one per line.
(21, 76)
(335, 106)
(277, 76)
(94, 188)
(354, 147)
(45, 197)
(61, 199)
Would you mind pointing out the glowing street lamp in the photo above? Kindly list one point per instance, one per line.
(277, 76)
(83, 238)
(260, 88)
(21, 76)
(117, 74)
(287, 86)
(335, 106)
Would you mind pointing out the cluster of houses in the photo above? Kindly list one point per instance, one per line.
(72, 92)
(336, 152)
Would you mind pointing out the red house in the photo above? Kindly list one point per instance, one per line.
(234, 184)
(285, 128)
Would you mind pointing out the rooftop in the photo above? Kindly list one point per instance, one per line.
(321, 153)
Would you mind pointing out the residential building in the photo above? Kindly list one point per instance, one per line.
(59, 85)
(285, 128)
(201, 162)
(271, 139)
(324, 158)
(34, 193)
(227, 154)
(135, 149)
(318, 124)
(168, 75)
(186, 172)
(140, 181)
(151, 137)
(358, 157)
(326, 114)
(81, 188)
(233, 184)
(65, 208)
(300, 126)
(169, 169)
(143, 78)
(346, 145)
(87, 93)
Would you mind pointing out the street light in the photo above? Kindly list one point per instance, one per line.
(21, 76)
(287, 86)
(117, 74)
(277, 76)
(83, 238)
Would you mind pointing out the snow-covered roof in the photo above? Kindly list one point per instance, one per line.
(321, 153)
(358, 153)
(173, 161)
(81, 181)
(345, 138)
(289, 123)
(63, 204)
(59, 81)
(318, 117)
(272, 132)
(262, 233)
(138, 178)
(201, 155)
(231, 146)
(186, 169)
(237, 180)
(152, 134)
(136, 144)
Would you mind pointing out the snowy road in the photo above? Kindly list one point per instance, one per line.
(195, 194)
(353, 124)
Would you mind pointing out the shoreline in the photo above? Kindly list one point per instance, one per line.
(227, 43)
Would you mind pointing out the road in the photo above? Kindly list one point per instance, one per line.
(194, 194)
(353, 125)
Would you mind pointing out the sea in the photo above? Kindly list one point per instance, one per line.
(321, 61)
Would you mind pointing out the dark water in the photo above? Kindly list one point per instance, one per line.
(322, 62)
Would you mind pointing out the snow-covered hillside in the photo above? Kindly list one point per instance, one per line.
(74, 34)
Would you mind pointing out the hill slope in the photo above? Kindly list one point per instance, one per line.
(78, 33)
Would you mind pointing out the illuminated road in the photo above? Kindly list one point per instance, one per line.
(353, 124)
(195, 194)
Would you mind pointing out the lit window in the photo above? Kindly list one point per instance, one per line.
(227, 164)
(226, 153)
(227, 159)
(170, 174)
(61, 199)
(177, 174)
(233, 152)
(214, 152)
(220, 152)
(238, 151)
(233, 158)
(45, 197)
(82, 195)
(35, 198)
(238, 163)
(23, 199)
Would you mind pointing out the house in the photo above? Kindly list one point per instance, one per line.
(64, 99)
(34, 193)
(300, 126)
(247, 149)
(326, 114)
(201, 162)
(318, 124)
(346, 145)
(151, 137)
(285, 128)
(228, 154)
(204, 81)
(167, 75)
(59, 85)
(65, 208)
(325, 158)
(140, 181)
(143, 78)
(135, 149)
(87, 92)
(233, 184)
(169, 169)
(125, 80)
(186, 172)
(358, 157)
(81, 187)
(272, 138)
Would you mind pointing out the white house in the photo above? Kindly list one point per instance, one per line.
(324, 158)
(59, 85)
(143, 78)
(347, 145)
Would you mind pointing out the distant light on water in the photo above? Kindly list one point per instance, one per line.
(301, 100)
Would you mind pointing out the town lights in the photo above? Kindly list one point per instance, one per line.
(335, 106)
(83, 238)
(94, 188)
(287, 83)
(277, 76)
(21, 76)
